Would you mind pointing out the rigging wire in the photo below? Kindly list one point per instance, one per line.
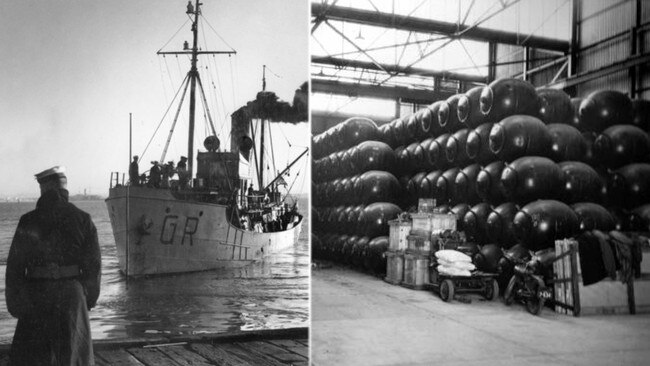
(305, 167)
(170, 39)
(162, 80)
(205, 105)
(232, 83)
(220, 94)
(215, 89)
(217, 33)
(163, 117)
(178, 63)
(285, 137)
(302, 183)
(217, 98)
(271, 71)
(236, 74)
(272, 150)
(212, 96)
(225, 113)
(178, 111)
(169, 74)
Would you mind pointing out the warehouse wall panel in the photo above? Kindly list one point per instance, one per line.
(645, 11)
(619, 81)
(545, 76)
(601, 19)
(508, 53)
(604, 54)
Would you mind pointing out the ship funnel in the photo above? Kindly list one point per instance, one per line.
(211, 143)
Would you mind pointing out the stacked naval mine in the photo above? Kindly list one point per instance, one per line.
(513, 166)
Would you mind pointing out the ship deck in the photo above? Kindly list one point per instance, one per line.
(266, 347)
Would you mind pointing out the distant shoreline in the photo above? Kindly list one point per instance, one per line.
(75, 198)
(93, 197)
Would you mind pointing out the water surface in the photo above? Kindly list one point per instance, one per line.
(270, 294)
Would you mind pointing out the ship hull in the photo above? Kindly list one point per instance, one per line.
(167, 235)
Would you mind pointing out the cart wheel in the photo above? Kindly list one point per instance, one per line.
(491, 289)
(447, 290)
(535, 304)
(509, 295)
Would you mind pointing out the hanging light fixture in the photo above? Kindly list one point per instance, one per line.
(360, 36)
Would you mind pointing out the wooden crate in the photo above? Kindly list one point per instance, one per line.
(426, 205)
(422, 221)
(419, 243)
(442, 222)
(433, 222)
(416, 271)
(398, 231)
(394, 267)
(605, 297)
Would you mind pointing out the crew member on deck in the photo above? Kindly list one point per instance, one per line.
(267, 195)
(181, 169)
(250, 195)
(167, 172)
(53, 278)
(155, 175)
(134, 175)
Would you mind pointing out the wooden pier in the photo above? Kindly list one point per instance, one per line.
(267, 347)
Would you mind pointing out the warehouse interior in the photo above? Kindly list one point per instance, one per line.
(469, 155)
(405, 54)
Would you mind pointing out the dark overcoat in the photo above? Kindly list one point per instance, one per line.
(53, 326)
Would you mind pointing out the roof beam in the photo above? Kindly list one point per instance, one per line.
(341, 62)
(422, 25)
(377, 91)
(642, 59)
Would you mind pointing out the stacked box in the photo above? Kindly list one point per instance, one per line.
(426, 205)
(394, 267)
(419, 244)
(442, 222)
(422, 221)
(416, 271)
(398, 231)
(433, 222)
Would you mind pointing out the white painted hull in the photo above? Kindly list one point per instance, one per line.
(167, 235)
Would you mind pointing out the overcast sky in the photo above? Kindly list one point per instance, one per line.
(72, 70)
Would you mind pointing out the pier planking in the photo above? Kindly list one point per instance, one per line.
(271, 347)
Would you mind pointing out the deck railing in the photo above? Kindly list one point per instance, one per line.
(115, 179)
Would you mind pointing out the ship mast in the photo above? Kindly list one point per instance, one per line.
(261, 172)
(261, 175)
(193, 76)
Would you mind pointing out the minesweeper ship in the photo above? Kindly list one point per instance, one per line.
(212, 219)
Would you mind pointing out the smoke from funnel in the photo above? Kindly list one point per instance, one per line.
(266, 106)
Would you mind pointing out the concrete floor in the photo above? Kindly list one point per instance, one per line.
(358, 319)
